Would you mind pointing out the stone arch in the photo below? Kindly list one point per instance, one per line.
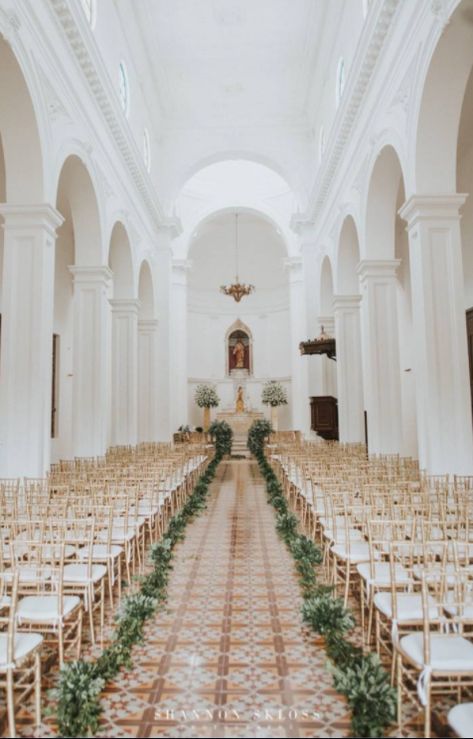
(146, 292)
(76, 192)
(447, 70)
(21, 142)
(120, 260)
(348, 258)
(383, 201)
(326, 287)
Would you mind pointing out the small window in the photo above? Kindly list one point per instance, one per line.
(123, 88)
(340, 80)
(90, 9)
(321, 143)
(146, 149)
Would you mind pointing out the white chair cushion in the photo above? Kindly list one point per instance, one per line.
(43, 609)
(382, 573)
(409, 606)
(359, 551)
(24, 644)
(341, 535)
(77, 573)
(101, 552)
(448, 652)
(5, 601)
(460, 719)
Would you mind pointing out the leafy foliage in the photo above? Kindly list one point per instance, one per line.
(206, 396)
(273, 394)
(258, 432)
(361, 678)
(222, 433)
(81, 683)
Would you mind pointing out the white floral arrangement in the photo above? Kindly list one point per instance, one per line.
(206, 396)
(274, 394)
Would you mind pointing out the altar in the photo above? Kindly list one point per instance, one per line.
(239, 422)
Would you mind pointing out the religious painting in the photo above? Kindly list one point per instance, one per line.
(239, 351)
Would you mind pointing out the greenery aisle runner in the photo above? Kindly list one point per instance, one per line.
(81, 683)
(358, 676)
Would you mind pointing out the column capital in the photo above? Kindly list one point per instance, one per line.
(148, 325)
(125, 305)
(378, 268)
(294, 266)
(171, 227)
(431, 207)
(21, 217)
(98, 274)
(346, 302)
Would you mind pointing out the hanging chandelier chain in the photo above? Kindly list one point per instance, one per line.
(238, 290)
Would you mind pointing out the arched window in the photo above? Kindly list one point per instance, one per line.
(321, 143)
(146, 149)
(90, 10)
(123, 88)
(340, 80)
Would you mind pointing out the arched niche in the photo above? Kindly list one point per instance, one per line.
(239, 333)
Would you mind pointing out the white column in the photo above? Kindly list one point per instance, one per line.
(165, 339)
(327, 367)
(179, 373)
(311, 280)
(148, 401)
(27, 329)
(124, 371)
(380, 347)
(441, 359)
(349, 371)
(298, 333)
(90, 361)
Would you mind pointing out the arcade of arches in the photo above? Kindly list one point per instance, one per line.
(129, 141)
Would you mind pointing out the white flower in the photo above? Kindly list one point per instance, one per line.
(206, 396)
(273, 394)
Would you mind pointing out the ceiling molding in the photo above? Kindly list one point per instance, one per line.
(357, 85)
(90, 62)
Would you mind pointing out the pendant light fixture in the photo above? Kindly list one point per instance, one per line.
(237, 290)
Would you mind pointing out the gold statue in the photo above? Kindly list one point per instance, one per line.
(240, 403)
(239, 353)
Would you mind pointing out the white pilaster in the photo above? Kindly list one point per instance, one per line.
(441, 359)
(380, 346)
(298, 333)
(90, 361)
(179, 373)
(148, 401)
(27, 329)
(124, 371)
(311, 278)
(165, 339)
(349, 370)
(327, 367)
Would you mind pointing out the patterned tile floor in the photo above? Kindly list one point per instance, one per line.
(228, 657)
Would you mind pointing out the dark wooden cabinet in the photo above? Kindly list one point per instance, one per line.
(324, 416)
(469, 333)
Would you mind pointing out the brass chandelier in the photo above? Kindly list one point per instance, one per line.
(237, 290)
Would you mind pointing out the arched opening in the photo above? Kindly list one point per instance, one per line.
(387, 314)
(263, 316)
(327, 323)
(81, 323)
(124, 305)
(147, 357)
(348, 336)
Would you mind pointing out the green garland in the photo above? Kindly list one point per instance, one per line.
(222, 436)
(81, 683)
(360, 677)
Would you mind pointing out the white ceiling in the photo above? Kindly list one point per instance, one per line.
(231, 63)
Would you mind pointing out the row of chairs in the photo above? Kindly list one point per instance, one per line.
(66, 542)
(400, 542)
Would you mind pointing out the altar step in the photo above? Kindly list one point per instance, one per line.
(239, 447)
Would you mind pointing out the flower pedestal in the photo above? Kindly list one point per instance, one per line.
(274, 417)
(206, 418)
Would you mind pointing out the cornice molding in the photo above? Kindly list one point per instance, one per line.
(101, 89)
(358, 81)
